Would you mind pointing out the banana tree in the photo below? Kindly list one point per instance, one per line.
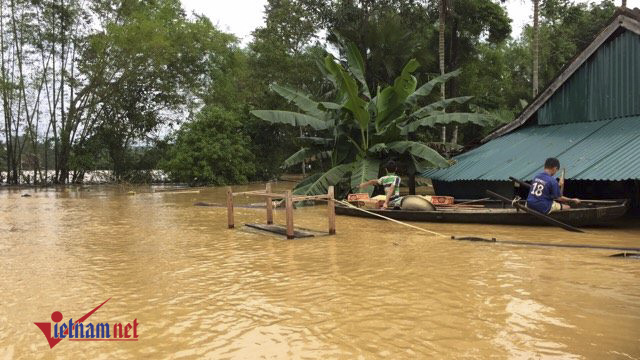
(357, 131)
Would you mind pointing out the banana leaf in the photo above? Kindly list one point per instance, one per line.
(320, 184)
(364, 169)
(331, 106)
(356, 67)
(445, 119)
(304, 154)
(317, 140)
(426, 89)
(446, 146)
(291, 118)
(390, 102)
(378, 148)
(306, 181)
(419, 150)
(422, 165)
(348, 86)
(354, 60)
(439, 105)
(302, 101)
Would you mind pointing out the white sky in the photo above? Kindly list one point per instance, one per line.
(241, 17)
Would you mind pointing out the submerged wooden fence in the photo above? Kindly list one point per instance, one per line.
(289, 200)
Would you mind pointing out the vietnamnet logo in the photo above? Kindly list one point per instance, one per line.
(83, 331)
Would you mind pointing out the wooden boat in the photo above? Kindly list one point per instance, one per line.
(590, 212)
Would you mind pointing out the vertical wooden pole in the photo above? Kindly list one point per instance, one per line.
(289, 215)
(269, 205)
(230, 208)
(331, 205)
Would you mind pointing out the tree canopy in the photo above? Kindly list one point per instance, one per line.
(135, 85)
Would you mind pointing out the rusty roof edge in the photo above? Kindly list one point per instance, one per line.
(623, 18)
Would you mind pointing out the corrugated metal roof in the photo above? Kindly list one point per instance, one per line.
(604, 87)
(598, 150)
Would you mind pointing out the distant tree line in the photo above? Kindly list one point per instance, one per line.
(136, 85)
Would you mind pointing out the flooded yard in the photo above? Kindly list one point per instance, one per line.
(375, 290)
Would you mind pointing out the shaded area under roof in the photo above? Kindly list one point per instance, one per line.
(600, 150)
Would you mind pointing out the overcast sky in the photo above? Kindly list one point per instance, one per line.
(241, 17)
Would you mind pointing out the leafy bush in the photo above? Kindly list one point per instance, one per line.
(211, 150)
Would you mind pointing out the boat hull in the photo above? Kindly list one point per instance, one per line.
(597, 215)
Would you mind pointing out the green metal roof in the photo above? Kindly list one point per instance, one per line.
(604, 87)
(598, 150)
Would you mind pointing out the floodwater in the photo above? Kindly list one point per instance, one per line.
(376, 290)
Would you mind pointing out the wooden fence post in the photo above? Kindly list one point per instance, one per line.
(269, 205)
(289, 201)
(331, 205)
(230, 208)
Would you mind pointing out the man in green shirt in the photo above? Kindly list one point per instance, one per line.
(391, 183)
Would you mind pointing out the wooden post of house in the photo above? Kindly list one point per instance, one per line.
(230, 208)
(331, 205)
(269, 205)
(289, 202)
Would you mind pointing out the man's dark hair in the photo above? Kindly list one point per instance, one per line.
(391, 166)
(551, 163)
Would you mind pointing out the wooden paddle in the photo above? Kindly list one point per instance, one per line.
(537, 214)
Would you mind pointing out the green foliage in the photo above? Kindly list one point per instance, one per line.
(304, 154)
(446, 118)
(364, 169)
(567, 28)
(126, 71)
(366, 131)
(390, 101)
(161, 58)
(291, 118)
(209, 150)
(415, 149)
(389, 33)
(283, 52)
(319, 184)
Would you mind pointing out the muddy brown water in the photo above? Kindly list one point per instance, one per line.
(376, 290)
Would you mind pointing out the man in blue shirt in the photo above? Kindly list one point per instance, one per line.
(545, 195)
